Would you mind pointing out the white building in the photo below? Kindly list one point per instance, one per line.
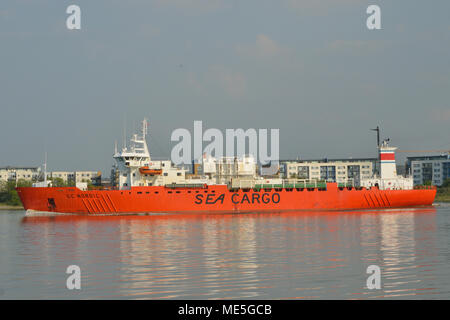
(75, 176)
(35, 174)
(429, 168)
(19, 173)
(66, 176)
(332, 170)
(86, 176)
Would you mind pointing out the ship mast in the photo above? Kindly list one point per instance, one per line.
(45, 170)
(377, 129)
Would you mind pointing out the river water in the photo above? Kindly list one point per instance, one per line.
(302, 255)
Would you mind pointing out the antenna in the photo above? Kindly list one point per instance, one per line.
(377, 129)
(124, 131)
(45, 170)
(115, 147)
(144, 127)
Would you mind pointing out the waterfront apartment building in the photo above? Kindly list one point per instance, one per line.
(87, 176)
(76, 176)
(19, 173)
(434, 169)
(332, 170)
(66, 176)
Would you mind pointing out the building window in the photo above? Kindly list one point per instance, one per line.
(303, 172)
(328, 173)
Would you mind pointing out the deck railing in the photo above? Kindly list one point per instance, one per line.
(423, 187)
(289, 184)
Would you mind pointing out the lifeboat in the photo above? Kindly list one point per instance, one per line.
(147, 170)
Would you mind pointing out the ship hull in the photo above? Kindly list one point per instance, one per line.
(217, 199)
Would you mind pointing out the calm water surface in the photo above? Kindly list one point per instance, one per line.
(311, 255)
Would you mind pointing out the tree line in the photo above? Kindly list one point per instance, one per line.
(8, 193)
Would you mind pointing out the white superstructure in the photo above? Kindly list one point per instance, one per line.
(222, 170)
(136, 167)
(388, 178)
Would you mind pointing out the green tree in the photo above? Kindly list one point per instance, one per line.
(58, 182)
(14, 199)
(9, 194)
(446, 183)
(24, 183)
(3, 192)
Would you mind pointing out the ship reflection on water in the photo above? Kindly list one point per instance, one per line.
(318, 255)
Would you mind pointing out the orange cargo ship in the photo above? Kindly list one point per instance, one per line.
(218, 199)
(146, 186)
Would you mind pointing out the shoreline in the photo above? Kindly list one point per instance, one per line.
(5, 207)
(442, 197)
(9, 207)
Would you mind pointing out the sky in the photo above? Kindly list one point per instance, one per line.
(311, 69)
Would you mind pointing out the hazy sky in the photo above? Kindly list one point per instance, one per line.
(310, 68)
